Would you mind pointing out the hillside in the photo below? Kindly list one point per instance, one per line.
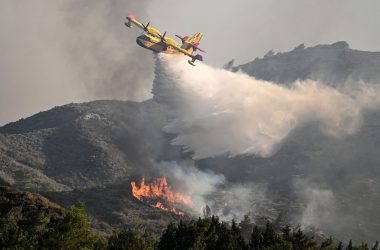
(333, 64)
(88, 152)
(80, 145)
(92, 151)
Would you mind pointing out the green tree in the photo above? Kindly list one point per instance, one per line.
(246, 227)
(349, 246)
(73, 232)
(339, 246)
(257, 240)
(286, 231)
(376, 246)
(327, 244)
(269, 236)
(130, 240)
(167, 240)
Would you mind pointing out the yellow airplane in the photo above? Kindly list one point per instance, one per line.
(153, 40)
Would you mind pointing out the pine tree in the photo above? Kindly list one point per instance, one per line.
(327, 244)
(167, 240)
(339, 246)
(256, 241)
(286, 233)
(246, 227)
(350, 247)
(269, 236)
(376, 246)
(236, 237)
(125, 240)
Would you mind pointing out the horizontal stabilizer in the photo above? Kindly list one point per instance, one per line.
(183, 38)
(195, 46)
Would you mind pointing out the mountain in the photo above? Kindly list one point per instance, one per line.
(92, 151)
(80, 145)
(333, 64)
(88, 152)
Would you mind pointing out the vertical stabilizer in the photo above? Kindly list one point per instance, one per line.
(190, 43)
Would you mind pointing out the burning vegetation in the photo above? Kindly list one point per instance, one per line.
(160, 195)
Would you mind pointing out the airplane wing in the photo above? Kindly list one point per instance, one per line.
(179, 49)
(193, 57)
(132, 20)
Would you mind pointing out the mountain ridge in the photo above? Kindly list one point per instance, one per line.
(91, 151)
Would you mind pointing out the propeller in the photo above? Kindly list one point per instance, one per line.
(163, 37)
(145, 27)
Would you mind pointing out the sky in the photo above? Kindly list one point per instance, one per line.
(245, 29)
(58, 52)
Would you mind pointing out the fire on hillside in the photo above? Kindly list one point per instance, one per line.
(160, 195)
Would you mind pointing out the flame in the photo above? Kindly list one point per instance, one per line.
(173, 210)
(159, 189)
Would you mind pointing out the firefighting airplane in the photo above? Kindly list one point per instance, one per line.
(153, 40)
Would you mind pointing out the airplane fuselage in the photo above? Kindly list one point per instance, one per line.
(153, 40)
(155, 44)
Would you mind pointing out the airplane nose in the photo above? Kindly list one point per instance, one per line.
(140, 41)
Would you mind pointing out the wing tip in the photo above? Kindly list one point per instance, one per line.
(131, 16)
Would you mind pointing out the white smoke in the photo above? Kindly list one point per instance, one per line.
(195, 183)
(228, 201)
(233, 201)
(217, 112)
(320, 205)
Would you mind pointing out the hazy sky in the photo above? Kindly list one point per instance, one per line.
(245, 29)
(57, 52)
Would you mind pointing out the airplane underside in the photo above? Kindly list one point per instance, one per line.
(156, 47)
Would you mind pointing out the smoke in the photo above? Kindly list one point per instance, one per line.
(56, 52)
(34, 73)
(235, 200)
(226, 200)
(216, 112)
(320, 205)
(303, 152)
(112, 66)
(195, 183)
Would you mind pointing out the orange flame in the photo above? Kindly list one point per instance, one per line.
(173, 210)
(159, 189)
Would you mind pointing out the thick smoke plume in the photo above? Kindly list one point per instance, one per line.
(216, 112)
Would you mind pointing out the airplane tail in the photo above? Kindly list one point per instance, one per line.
(191, 44)
(195, 39)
